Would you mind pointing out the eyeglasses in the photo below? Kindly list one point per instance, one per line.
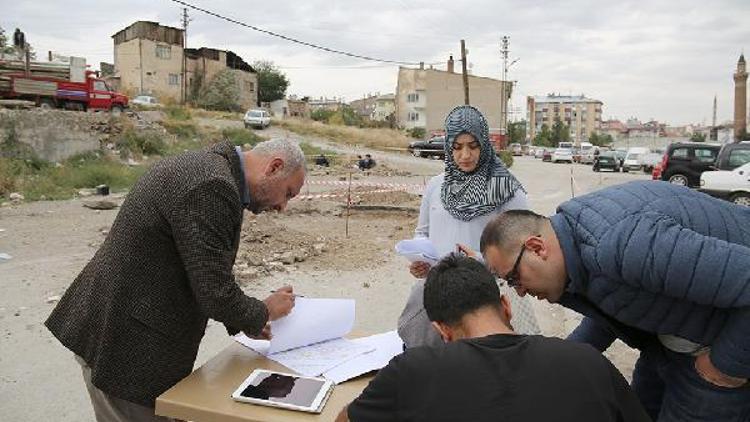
(513, 277)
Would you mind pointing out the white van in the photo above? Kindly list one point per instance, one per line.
(634, 159)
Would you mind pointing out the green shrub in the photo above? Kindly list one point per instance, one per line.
(239, 136)
(221, 93)
(143, 142)
(321, 115)
(417, 132)
(506, 157)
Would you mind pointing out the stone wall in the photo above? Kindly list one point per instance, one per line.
(56, 134)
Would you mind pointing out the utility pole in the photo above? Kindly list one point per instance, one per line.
(504, 96)
(183, 83)
(466, 75)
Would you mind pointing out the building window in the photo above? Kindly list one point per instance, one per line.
(412, 98)
(163, 51)
(174, 79)
(250, 86)
(413, 116)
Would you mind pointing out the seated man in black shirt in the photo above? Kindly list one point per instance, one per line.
(486, 372)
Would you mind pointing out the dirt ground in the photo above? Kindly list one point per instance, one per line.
(318, 246)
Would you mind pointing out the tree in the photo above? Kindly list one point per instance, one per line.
(7, 47)
(600, 140)
(560, 132)
(272, 84)
(517, 131)
(698, 137)
(221, 93)
(544, 137)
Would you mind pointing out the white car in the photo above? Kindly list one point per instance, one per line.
(733, 185)
(562, 154)
(257, 118)
(145, 101)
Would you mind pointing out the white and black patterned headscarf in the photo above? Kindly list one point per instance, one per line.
(490, 185)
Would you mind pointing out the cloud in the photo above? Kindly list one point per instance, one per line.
(664, 59)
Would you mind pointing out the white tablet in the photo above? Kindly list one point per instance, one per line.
(288, 391)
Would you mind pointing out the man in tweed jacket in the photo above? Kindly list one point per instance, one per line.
(136, 314)
(663, 268)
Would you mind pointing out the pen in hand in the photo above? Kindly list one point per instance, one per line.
(293, 294)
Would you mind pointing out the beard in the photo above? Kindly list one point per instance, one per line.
(261, 196)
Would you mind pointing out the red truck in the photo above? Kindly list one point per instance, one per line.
(51, 85)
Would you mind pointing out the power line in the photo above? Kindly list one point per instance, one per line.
(290, 39)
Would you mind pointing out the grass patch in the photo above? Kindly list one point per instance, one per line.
(240, 137)
(210, 114)
(181, 129)
(178, 113)
(372, 138)
(62, 182)
(140, 143)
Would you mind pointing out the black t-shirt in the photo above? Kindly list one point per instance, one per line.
(500, 377)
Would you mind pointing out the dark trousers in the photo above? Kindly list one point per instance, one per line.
(672, 391)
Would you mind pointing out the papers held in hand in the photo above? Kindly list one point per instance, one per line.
(310, 340)
(418, 249)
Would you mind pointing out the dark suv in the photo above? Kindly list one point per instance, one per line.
(732, 156)
(433, 147)
(683, 162)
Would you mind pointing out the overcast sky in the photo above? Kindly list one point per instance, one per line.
(656, 59)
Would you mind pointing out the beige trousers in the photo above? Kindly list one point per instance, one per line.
(112, 409)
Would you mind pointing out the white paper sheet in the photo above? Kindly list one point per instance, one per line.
(418, 249)
(312, 321)
(385, 345)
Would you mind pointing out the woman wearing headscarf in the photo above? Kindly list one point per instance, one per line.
(456, 206)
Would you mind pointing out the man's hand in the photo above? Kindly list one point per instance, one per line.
(265, 334)
(280, 303)
(471, 253)
(710, 373)
(419, 269)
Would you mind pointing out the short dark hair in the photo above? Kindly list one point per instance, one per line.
(510, 227)
(456, 286)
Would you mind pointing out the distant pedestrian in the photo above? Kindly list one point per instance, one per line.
(369, 163)
(322, 161)
(663, 268)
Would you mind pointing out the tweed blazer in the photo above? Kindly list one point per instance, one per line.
(138, 311)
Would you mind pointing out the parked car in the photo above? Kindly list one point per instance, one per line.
(588, 153)
(146, 101)
(606, 160)
(547, 155)
(733, 155)
(683, 162)
(576, 152)
(562, 154)
(633, 159)
(649, 161)
(733, 185)
(516, 149)
(539, 152)
(433, 147)
(257, 119)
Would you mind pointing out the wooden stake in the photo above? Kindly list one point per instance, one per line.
(348, 203)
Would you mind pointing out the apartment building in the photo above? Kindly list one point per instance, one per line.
(425, 96)
(151, 59)
(582, 115)
(385, 106)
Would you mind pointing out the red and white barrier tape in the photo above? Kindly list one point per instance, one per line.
(341, 195)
